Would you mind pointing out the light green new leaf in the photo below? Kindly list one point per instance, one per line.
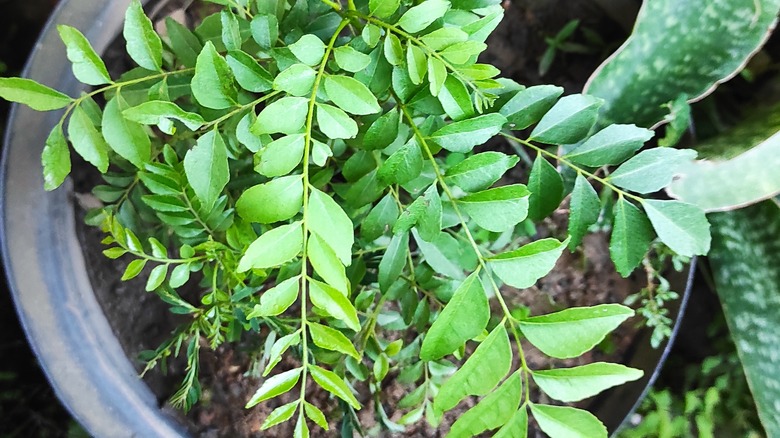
(566, 422)
(383, 8)
(127, 138)
(350, 59)
(416, 63)
(309, 49)
(286, 116)
(392, 49)
(157, 111)
(55, 159)
(274, 386)
(334, 384)
(315, 414)
(480, 171)
(327, 265)
(280, 415)
(250, 75)
(296, 80)
(463, 318)
(281, 156)
(610, 146)
(455, 99)
(265, 30)
(36, 96)
(156, 277)
(632, 234)
(331, 223)
(301, 428)
(437, 74)
(393, 261)
(680, 226)
(481, 372)
(569, 121)
(403, 165)
(87, 65)
(351, 95)
(463, 53)
(383, 131)
(442, 38)
(462, 136)
(498, 209)
(651, 170)
(492, 412)
(546, 186)
(212, 84)
(280, 346)
(571, 332)
(423, 15)
(276, 300)
(143, 44)
(86, 139)
(277, 200)
(522, 267)
(273, 248)
(578, 383)
(335, 123)
(530, 105)
(206, 167)
(334, 303)
(516, 427)
(331, 339)
(585, 209)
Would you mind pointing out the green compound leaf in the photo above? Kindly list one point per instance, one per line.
(334, 303)
(273, 248)
(274, 386)
(383, 131)
(463, 318)
(423, 15)
(86, 139)
(566, 422)
(36, 96)
(383, 8)
(351, 95)
(143, 44)
(250, 75)
(281, 156)
(651, 170)
(530, 105)
(301, 428)
(296, 80)
(480, 171)
(206, 167)
(334, 384)
(309, 49)
(517, 427)
(498, 209)
(87, 65)
(522, 267)
(280, 415)
(286, 116)
(157, 111)
(546, 186)
(481, 372)
(655, 65)
(610, 146)
(335, 123)
(492, 412)
(276, 300)
(331, 339)
(55, 159)
(585, 209)
(277, 200)
(156, 277)
(393, 261)
(682, 227)
(579, 383)
(569, 121)
(127, 138)
(392, 49)
(212, 85)
(403, 165)
(231, 33)
(571, 332)
(350, 59)
(329, 221)
(327, 265)
(462, 136)
(315, 414)
(632, 234)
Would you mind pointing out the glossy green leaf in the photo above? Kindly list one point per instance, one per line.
(277, 200)
(350, 59)
(463, 318)
(680, 226)
(335, 123)
(530, 105)
(276, 300)
(455, 99)
(296, 80)
(380, 220)
(442, 38)
(463, 53)
(278, 348)
(632, 234)
(437, 75)
(423, 15)
(351, 95)
(651, 170)
(275, 386)
(265, 30)
(569, 121)
(383, 131)
(522, 267)
(286, 241)
(309, 49)
(134, 269)
(334, 303)
(281, 156)
(462, 136)
(403, 165)
(231, 34)
(481, 372)
(546, 186)
(143, 44)
(55, 159)
(498, 209)
(393, 261)
(36, 96)
(416, 63)
(280, 415)
(571, 332)
(445, 255)
(331, 339)
(184, 43)
(334, 384)
(383, 8)
(286, 116)
(331, 223)
(127, 138)
(567, 422)
(327, 265)
(156, 111)
(87, 65)
(392, 49)
(212, 85)
(516, 427)
(585, 208)
(315, 415)
(249, 74)
(492, 412)
(156, 277)
(480, 171)
(610, 146)
(86, 139)
(206, 167)
(425, 214)
(578, 383)
(301, 428)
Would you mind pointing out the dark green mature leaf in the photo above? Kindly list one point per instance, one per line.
(327, 265)
(36, 96)
(680, 226)
(462, 136)
(55, 159)
(480, 171)
(425, 213)
(334, 384)
(265, 30)
(332, 339)
(296, 80)
(578, 383)
(156, 111)
(492, 412)
(631, 237)
(335, 123)
(334, 303)
(610, 146)
(455, 99)
(569, 121)
(571, 332)
(184, 43)
(86, 139)
(463, 318)
(546, 186)
(498, 209)
(250, 75)
(287, 116)
(143, 44)
(87, 65)
(651, 170)
(206, 167)
(383, 131)
(274, 386)
(380, 220)
(277, 200)
(273, 248)
(567, 422)
(423, 15)
(212, 85)
(281, 156)
(445, 255)
(481, 372)
(276, 300)
(280, 415)
(393, 261)
(528, 106)
(403, 165)
(351, 95)
(331, 223)
(522, 267)
(127, 138)
(585, 209)
(463, 53)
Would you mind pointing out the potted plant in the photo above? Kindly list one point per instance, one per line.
(312, 168)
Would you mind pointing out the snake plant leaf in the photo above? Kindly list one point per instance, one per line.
(664, 57)
(744, 258)
(492, 412)
(567, 422)
(578, 383)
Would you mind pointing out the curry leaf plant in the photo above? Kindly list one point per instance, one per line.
(315, 169)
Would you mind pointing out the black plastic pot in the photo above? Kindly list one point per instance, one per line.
(48, 278)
